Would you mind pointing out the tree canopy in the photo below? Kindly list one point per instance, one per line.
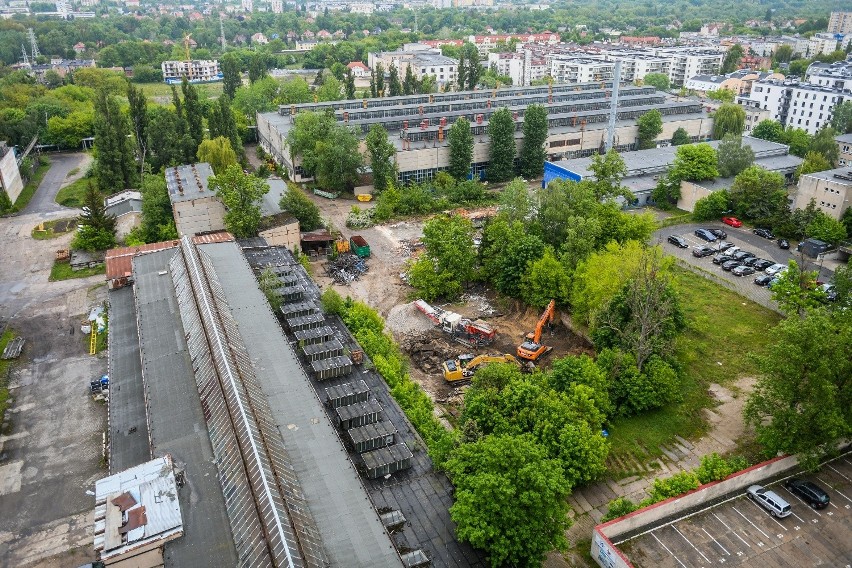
(241, 195)
(695, 162)
(733, 156)
(501, 154)
(650, 126)
(728, 119)
(461, 149)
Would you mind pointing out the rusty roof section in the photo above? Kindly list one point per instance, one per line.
(118, 260)
(215, 237)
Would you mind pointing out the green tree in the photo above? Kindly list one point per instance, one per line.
(723, 95)
(69, 131)
(732, 59)
(796, 290)
(608, 171)
(138, 120)
(221, 122)
(658, 80)
(379, 76)
(695, 162)
(769, 130)
(382, 154)
(650, 126)
(218, 153)
(296, 203)
(680, 137)
(758, 194)
(231, 74)
(393, 82)
(194, 115)
(545, 279)
(258, 64)
(474, 67)
(712, 207)
(409, 84)
(461, 76)
(510, 499)
(515, 203)
(826, 229)
(158, 223)
(461, 149)
(349, 84)
(814, 162)
(241, 195)
(533, 153)
(330, 90)
(340, 160)
(728, 119)
(97, 228)
(783, 54)
(823, 143)
(114, 169)
(802, 403)
(798, 140)
(841, 117)
(293, 91)
(447, 265)
(501, 155)
(733, 157)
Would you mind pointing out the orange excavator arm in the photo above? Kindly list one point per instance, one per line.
(546, 317)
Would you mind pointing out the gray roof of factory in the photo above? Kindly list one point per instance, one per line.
(351, 530)
(188, 182)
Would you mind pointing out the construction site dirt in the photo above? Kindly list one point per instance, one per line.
(428, 347)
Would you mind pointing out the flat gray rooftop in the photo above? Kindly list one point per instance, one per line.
(128, 425)
(351, 530)
(830, 175)
(188, 182)
(177, 421)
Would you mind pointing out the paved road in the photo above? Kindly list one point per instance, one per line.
(60, 164)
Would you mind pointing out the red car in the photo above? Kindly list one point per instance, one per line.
(732, 221)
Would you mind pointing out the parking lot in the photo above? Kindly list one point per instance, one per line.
(741, 533)
(741, 237)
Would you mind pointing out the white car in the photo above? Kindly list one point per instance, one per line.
(769, 500)
(775, 269)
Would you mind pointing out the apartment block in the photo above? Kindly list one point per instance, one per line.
(196, 70)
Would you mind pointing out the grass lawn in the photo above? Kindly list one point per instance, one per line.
(205, 90)
(723, 328)
(73, 194)
(32, 185)
(53, 229)
(5, 366)
(62, 271)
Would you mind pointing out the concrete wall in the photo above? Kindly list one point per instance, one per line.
(283, 236)
(690, 192)
(199, 216)
(604, 551)
(833, 196)
(10, 176)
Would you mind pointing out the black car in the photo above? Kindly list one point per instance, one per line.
(706, 235)
(730, 265)
(750, 261)
(742, 270)
(722, 258)
(810, 493)
(765, 233)
(719, 233)
(722, 245)
(784, 244)
(763, 280)
(742, 255)
(678, 241)
(702, 251)
(762, 264)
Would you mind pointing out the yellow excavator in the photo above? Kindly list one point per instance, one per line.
(463, 368)
(531, 349)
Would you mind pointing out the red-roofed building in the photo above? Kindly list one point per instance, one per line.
(359, 69)
(640, 40)
(119, 262)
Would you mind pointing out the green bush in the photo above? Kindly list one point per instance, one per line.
(716, 468)
(332, 302)
(678, 484)
(618, 508)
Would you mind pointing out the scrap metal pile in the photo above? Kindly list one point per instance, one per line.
(346, 268)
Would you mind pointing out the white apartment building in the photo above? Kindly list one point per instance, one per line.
(516, 64)
(362, 8)
(422, 59)
(840, 23)
(835, 75)
(799, 105)
(677, 63)
(689, 62)
(195, 70)
(573, 69)
(277, 6)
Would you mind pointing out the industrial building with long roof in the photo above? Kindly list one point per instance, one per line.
(578, 116)
(202, 372)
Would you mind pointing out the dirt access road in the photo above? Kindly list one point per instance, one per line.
(50, 452)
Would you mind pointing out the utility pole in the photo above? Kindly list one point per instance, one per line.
(33, 44)
(613, 109)
(222, 32)
(26, 58)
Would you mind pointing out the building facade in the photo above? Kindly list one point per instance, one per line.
(422, 59)
(840, 23)
(844, 150)
(831, 190)
(197, 70)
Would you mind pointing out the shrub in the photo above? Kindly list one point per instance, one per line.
(618, 508)
(678, 484)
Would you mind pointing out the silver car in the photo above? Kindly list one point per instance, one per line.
(775, 269)
(769, 500)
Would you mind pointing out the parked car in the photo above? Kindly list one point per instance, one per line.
(784, 244)
(775, 280)
(762, 264)
(722, 258)
(810, 493)
(732, 221)
(750, 261)
(730, 265)
(701, 251)
(775, 269)
(706, 235)
(769, 500)
(742, 270)
(762, 280)
(765, 233)
(719, 233)
(742, 255)
(830, 291)
(722, 245)
(677, 241)
(733, 250)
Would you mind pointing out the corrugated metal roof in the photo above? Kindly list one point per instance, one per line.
(119, 260)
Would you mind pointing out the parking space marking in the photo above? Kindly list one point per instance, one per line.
(716, 541)
(768, 514)
(667, 550)
(803, 501)
(840, 474)
(836, 491)
(732, 530)
(752, 524)
(692, 545)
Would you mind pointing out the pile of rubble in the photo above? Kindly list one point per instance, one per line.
(346, 268)
(481, 304)
(428, 352)
(407, 247)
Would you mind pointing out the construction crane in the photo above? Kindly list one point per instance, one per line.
(462, 369)
(531, 349)
(472, 333)
(186, 39)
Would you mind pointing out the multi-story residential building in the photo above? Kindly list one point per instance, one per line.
(836, 75)
(739, 82)
(578, 115)
(688, 62)
(799, 105)
(422, 59)
(522, 67)
(196, 70)
(831, 190)
(573, 69)
(840, 23)
(276, 6)
(844, 150)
